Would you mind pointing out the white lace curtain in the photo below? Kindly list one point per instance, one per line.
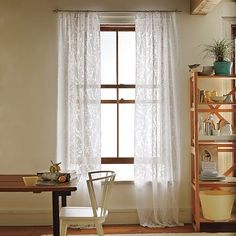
(79, 110)
(156, 124)
(157, 158)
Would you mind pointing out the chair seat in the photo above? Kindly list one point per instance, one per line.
(81, 213)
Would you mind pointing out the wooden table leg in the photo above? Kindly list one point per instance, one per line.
(63, 200)
(55, 214)
(55, 209)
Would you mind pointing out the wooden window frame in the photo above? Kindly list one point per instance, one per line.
(233, 33)
(117, 86)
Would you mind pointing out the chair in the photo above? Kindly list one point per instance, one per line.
(96, 213)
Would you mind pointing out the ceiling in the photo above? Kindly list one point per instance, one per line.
(203, 7)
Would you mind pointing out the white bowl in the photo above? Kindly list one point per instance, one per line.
(218, 98)
(30, 180)
(48, 176)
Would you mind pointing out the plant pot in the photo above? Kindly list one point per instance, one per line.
(223, 67)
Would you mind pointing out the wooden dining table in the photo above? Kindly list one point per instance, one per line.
(14, 183)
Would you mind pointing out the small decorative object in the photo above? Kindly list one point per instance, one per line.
(218, 98)
(209, 125)
(207, 97)
(55, 167)
(207, 70)
(30, 180)
(49, 178)
(208, 158)
(62, 179)
(216, 132)
(227, 98)
(221, 51)
(226, 130)
(202, 95)
(195, 68)
(202, 125)
(222, 122)
(214, 93)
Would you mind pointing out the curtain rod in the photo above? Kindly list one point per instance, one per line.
(59, 10)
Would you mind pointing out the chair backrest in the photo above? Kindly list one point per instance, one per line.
(106, 179)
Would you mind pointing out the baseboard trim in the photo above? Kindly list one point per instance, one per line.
(38, 216)
(24, 216)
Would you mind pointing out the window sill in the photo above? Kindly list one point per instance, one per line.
(124, 182)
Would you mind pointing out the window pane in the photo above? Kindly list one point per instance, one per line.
(108, 94)
(126, 137)
(124, 172)
(127, 94)
(108, 57)
(126, 57)
(108, 130)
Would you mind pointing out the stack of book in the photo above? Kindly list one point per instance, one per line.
(46, 177)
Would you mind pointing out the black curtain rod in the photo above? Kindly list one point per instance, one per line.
(59, 10)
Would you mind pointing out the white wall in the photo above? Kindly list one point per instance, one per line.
(28, 95)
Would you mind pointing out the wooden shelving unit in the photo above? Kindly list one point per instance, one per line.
(223, 143)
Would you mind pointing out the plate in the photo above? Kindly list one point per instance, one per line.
(216, 178)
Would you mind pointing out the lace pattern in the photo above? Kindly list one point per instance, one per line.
(79, 142)
(156, 135)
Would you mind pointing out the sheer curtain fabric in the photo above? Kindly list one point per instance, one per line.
(79, 112)
(156, 162)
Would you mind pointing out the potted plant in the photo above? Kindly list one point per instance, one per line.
(221, 51)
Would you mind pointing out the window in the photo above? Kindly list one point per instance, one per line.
(117, 94)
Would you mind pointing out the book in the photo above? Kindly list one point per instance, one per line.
(47, 176)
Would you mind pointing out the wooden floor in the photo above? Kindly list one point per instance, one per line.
(108, 229)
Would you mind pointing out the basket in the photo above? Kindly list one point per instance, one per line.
(216, 204)
(30, 180)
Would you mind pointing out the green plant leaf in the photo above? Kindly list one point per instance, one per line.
(220, 50)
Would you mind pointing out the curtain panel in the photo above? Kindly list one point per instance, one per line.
(157, 155)
(79, 109)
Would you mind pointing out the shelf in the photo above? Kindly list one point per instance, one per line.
(230, 77)
(223, 138)
(232, 219)
(216, 103)
(222, 144)
(227, 182)
(217, 184)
